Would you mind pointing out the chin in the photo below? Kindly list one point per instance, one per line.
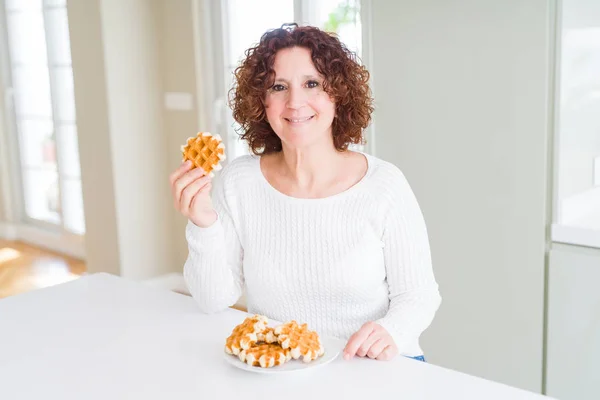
(304, 143)
(303, 138)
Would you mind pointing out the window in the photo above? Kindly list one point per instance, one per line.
(42, 111)
(578, 130)
(244, 21)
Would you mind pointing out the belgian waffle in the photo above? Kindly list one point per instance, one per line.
(205, 151)
(245, 334)
(301, 341)
(265, 355)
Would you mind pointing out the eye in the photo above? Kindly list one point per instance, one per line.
(312, 84)
(277, 88)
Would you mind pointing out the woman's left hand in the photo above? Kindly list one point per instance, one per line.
(373, 341)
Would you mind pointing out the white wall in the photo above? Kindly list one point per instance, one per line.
(461, 92)
(133, 77)
(97, 171)
(125, 56)
(179, 75)
(573, 361)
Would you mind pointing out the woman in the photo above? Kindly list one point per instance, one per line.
(311, 230)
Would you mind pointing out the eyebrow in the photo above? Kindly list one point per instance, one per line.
(305, 77)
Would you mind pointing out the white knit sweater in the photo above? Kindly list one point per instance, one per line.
(335, 263)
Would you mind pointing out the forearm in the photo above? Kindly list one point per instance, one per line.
(211, 270)
(413, 290)
(410, 314)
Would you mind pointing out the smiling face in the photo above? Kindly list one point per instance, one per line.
(298, 109)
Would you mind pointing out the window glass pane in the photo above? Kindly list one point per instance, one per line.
(35, 100)
(341, 17)
(236, 146)
(58, 36)
(248, 20)
(68, 151)
(579, 129)
(37, 145)
(73, 206)
(32, 92)
(27, 41)
(55, 3)
(64, 97)
(41, 194)
(247, 23)
(20, 5)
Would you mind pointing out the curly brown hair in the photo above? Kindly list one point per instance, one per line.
(345, 80)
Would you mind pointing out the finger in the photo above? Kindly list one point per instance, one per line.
(367, 344)
(183, 168)
(191, 191)
(377, 347)
(180, 184)
(387, 354)
(357, 339)
(188, 176)
(198, 195)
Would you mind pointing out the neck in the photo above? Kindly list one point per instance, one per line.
(310, 168)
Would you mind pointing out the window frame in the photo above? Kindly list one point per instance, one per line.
(559, 231)
(18, 225)
(16, 167)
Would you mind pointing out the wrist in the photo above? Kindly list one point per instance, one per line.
(206, 221)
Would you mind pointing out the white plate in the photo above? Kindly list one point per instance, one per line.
(333, 347)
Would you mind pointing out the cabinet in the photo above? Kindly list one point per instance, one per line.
(573, 350)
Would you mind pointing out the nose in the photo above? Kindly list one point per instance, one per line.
(296, 98)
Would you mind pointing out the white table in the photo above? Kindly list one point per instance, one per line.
(103, 337)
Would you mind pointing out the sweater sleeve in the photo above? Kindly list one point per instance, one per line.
(413, 290)
(213, 270)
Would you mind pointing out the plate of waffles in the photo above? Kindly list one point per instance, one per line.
(254, 346)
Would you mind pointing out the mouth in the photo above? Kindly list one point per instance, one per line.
(299, 120)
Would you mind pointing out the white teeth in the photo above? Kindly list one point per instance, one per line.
(299, 120)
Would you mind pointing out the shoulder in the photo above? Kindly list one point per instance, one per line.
(237, 173)
(387, 182)
(239, 168)
(384, 174)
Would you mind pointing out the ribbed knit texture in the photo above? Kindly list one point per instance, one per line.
(335, 263)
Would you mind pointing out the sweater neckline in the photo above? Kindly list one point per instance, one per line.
(333, 197)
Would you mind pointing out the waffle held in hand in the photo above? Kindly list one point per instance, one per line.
(205, 151)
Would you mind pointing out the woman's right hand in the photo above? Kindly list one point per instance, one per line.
(191, 194)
